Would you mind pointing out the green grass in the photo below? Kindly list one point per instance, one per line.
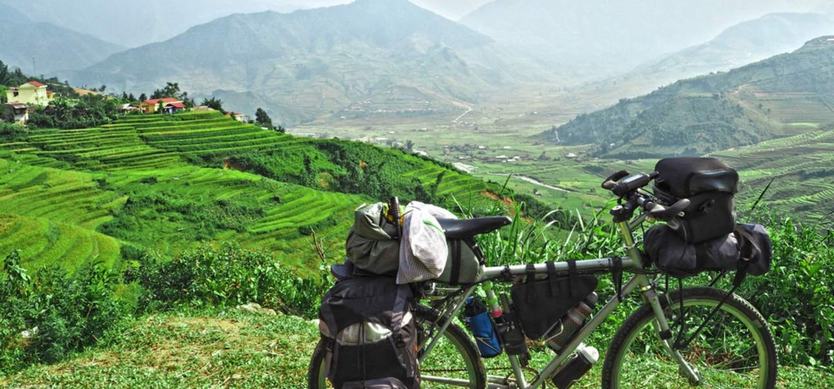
(232, 348)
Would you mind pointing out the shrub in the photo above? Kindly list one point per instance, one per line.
(228, 276)
(47, 316)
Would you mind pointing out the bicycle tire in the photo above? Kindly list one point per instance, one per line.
(734, 305)
(424, 316)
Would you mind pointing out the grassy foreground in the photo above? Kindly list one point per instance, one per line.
(230, 348)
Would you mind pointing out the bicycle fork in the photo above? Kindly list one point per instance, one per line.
(661, 325)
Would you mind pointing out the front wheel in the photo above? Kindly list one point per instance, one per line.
(452, 363)
(734, 350)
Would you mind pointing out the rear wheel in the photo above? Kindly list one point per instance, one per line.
(734, 350)
(452, 363)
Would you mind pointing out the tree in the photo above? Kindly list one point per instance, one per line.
(143, 97)
(171, 89)
(262, 119)
(214, 103)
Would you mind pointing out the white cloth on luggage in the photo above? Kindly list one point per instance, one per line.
(423, 249)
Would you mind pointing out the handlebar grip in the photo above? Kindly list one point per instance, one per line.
(611, 181)
(631, 183)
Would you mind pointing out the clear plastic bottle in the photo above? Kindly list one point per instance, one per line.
(572, 322)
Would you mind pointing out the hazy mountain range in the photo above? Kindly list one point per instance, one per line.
(596, 39)
(137, 23)
(774, 97)
(392, 57)
(51, 47)
(739, 45)
(368, 56)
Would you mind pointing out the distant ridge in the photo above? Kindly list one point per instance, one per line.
(771, 98)
(53, 48)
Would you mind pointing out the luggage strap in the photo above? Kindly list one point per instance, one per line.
(617, 275)
(551, 277)
(572, 275)
(457, 260)
(531, 279)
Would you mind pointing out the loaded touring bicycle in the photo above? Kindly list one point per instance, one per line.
(677, 337)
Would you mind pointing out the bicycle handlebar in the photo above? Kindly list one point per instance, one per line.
(627, 186)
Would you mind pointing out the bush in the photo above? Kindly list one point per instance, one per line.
(50, 315)
(797, 295)
(84, 112)
(228, 276)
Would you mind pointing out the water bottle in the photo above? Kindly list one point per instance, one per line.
(585, 358)
(571, 322)
(478, 320)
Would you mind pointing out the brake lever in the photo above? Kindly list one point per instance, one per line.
(658, 211)
(611, 181)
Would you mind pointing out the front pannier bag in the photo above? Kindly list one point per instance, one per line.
(542, 303)
(747, 249)
(709, 185)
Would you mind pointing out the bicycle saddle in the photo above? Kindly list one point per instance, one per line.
(467, 228)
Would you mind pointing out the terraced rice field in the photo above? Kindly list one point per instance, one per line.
(808, 157)
(63, 189)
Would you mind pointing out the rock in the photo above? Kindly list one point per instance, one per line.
(256, 308)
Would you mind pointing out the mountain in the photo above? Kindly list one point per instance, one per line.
(136, 23)
(371, 56)
(597, 39)
(771, 98)
(744, 43)
(52, 48)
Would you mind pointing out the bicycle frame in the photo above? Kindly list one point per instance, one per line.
(639, 281)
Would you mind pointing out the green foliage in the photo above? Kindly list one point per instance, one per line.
(168, 211)
(797, 295)
(172, 89)
(12, 131)
(228, 276)
(262, 119)
(47, 316)
(214, 103)
(86, 111)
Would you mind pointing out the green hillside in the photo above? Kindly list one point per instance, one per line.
(172, 182)
(777, 97)
(801, 167)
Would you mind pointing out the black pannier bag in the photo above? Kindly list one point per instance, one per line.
(747, 249)
(710, 186)
(370, 333)
(542, 303)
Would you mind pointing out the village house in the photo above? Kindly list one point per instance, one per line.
(15, 113)
(239, 117)
(169, 105)
(31, 93)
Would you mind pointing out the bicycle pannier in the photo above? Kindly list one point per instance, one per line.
(372, 248)
(371, 245)
(463, 265)
(370, 333)
(747, 249)
(542, 303)
(710, 185)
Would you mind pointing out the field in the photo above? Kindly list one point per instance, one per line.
(171, 182)
(231, 348)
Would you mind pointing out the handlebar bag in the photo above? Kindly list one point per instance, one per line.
(746, 249)
(710, 185)
(542, 303)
